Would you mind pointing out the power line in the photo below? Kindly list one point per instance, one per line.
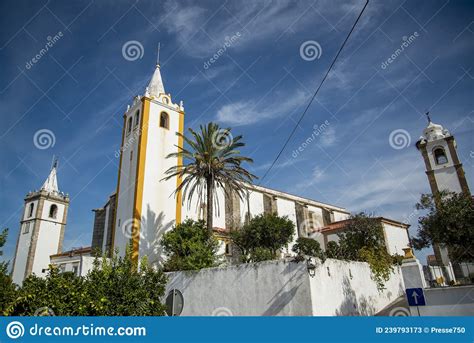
(315, 93)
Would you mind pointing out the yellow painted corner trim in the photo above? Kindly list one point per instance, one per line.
(179, 195)
(140, 177)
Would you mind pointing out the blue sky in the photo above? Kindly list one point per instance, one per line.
(259, 86)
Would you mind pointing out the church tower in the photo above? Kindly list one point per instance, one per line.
(41, 229)
(443, 168)
(445, 173)
(146, 205)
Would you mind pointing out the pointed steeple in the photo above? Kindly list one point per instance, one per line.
(51, 183)
(155, 87)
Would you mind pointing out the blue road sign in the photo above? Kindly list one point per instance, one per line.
(415, 297)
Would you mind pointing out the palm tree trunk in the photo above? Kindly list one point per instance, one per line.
(210, 214)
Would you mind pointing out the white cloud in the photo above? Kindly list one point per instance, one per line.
(328, 137)
(250, 112)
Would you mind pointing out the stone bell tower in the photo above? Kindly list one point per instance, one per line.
(445, 173)
(42, 228)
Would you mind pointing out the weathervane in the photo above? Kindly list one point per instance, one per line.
(428, 116)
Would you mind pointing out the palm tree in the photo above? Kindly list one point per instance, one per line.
(210, 160)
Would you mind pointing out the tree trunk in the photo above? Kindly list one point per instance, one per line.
(209, 189)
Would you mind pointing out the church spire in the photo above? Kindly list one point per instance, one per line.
(155, 87)
(51, 183)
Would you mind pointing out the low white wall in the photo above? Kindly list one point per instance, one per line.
(262, 289)
(447, 301)
(284, 288)
(342, 288)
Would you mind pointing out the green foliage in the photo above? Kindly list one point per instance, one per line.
(114, 287)
(119, 287)
(189, 246)
(61, 293)
(362, 240)
(380, 262)
(211, 159)
(308, 247)
(266, 232)
(7, 287)
(449, 221)
(333, 250)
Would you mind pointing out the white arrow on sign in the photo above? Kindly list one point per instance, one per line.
(415, 297)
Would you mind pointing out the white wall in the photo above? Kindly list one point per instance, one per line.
(396, 238)
(283, 288)
(347, 289)
(47, 245)
(24, 241)
(287, 208)
(447, 301)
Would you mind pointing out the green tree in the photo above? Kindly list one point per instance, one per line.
(114, 287)
(119, 286)
(211, 159)
(308, 247)
(362, 240)
(333, 250)
(189, 246)
(7, 287)
(56, 294)
(450, 221)
(263, 236)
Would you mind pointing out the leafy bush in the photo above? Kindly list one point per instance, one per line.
(308, 247)
(114, 287)
(189, 246)
(263, 237)
(7, 287)
(362, 240)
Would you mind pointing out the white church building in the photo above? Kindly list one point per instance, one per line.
(142, 207)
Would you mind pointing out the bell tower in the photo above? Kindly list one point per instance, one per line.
(443, 168)
(146, 206)
(445, 173)
(42, 228)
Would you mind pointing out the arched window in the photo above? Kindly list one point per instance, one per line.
(30, 212)
(440, 156)
(129, 127)
(137, 118)
(53, 211)
(164, 120)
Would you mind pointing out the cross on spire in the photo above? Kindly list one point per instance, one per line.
(158, 55)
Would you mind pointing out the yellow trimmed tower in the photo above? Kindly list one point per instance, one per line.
(146, 206)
